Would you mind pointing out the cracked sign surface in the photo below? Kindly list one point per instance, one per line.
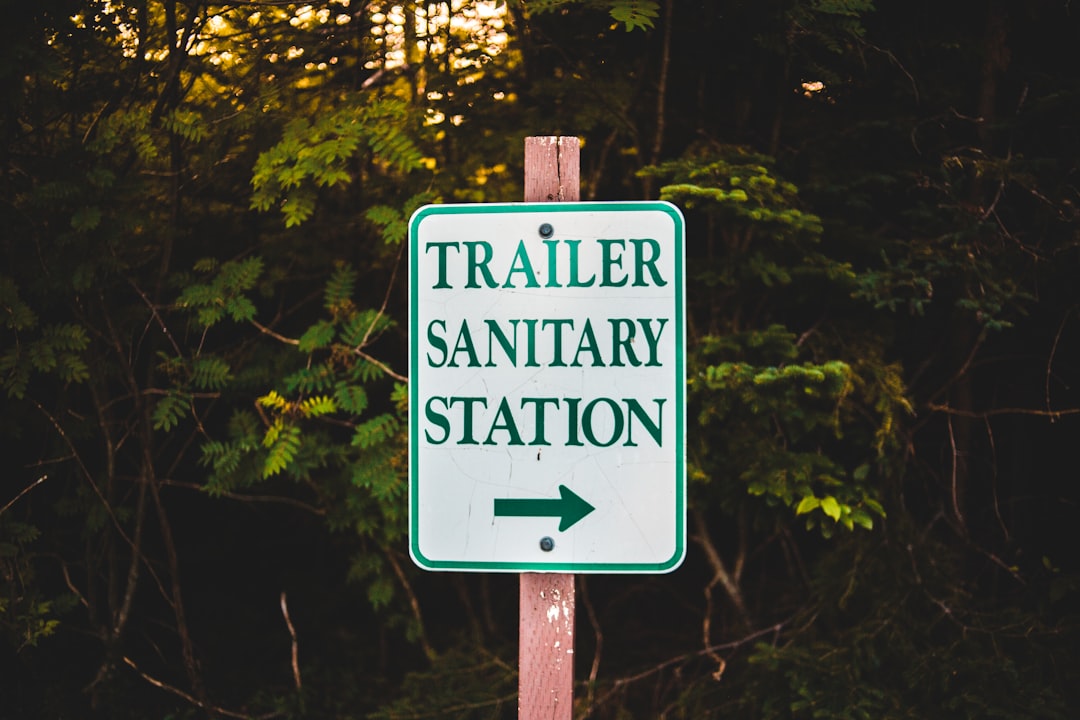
(547, 387)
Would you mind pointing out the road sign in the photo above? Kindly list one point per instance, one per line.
(547, 387)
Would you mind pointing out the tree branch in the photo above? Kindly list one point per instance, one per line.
(195, 701)
(249, 498)
(594, 670)
(712, 650)
(295, 643)
(382, 366)
(1052, 414)
(414, 602)
(22, 492)
(277, 336)
(725, 579)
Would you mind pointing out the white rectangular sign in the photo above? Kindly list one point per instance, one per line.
(547, 387)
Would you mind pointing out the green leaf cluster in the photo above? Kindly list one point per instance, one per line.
(737, 185)
(922, 655)
(631, 14)
(314, 154)
(781, 426)
(30, 349)
(801, 419)
(225, 295)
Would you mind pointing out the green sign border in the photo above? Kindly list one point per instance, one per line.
(680, 386)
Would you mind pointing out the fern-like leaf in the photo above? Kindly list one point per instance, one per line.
(376, 430)
(274, 400)
(317, 336)
(339, 289)
(317, 406)
(317, 378)
(169, 411)
(352, 399)
(282, 443)
(210, 373)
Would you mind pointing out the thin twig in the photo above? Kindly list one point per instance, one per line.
(382, 366)
(955, 477)
(277, 336)
(721, 576)
(25, 490)
(1053, 353)
(386, 299)
(71, 585)
(248, 498)
(461, 708)
(193, 700)
(975, 347)
(414, 602)
(1053, 414)
(359, 349)
(176, 597)
(709, 651)
(295, 643)
(86, 472)
(994, 478)
(156, 316)
(661, 86)
(889, 54)
(594, 671)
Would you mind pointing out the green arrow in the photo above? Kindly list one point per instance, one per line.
(569, 508)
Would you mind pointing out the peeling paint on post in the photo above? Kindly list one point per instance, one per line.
(546, 602)
(546, 653)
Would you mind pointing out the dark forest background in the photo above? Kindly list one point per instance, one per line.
(203, 337)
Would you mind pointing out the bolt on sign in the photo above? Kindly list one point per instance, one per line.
(547, 387)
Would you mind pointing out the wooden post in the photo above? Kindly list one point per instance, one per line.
(546, 603)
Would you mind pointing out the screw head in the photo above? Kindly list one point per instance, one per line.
(546, 230)
(547, 544)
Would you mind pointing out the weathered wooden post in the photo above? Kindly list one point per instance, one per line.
(547, 399)
(546, 604)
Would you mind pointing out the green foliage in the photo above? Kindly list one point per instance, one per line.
(316, 154)
(376, 430)
(393, 222)
(794, 431)
(635, 13)
(833, 23)
(908, 274)
(188, 124)
(919, 656)
(17, 314)
(26, 617)
(233, 462)
(50, 350)
(170, 410)
(30, 621)
(317, 336)
(362, 327)
(339, 289)
(210, 373)
(317, 421)
(282, 443)
(225, 293)
(786, 414)
(487, 680)
(352, 399)
(737, 186)
(631, 14)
